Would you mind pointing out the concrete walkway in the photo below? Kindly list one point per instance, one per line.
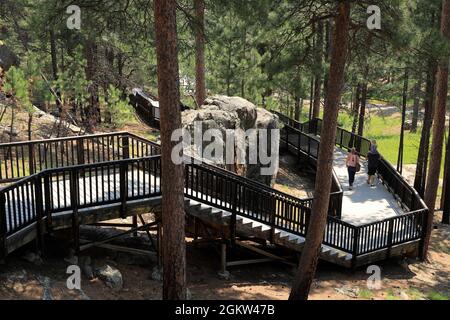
(363, 204)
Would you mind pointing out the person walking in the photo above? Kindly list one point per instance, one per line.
(373, 157)
(352, 163)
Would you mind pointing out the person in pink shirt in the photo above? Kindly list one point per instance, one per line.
(352, 162)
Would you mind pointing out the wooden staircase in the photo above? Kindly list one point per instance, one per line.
(247, 227)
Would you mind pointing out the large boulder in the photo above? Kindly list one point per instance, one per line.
(237, 123)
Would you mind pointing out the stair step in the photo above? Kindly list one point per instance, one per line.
(205, 209)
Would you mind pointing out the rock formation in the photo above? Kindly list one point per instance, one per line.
(251, 128)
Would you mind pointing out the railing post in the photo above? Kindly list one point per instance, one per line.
(47, 200)
(3, 227)
(80, 151)
(272, 211)
(233, 213)
(355, 247)
(31, 161)
(125, 147)
(39, 213)
(424, 228)
(123, 173)
(74, 204)
(390, 234)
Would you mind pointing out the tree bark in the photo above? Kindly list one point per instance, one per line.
(53, 54)
(318, 75)
(172, 176)
(310, 254)
(362, 111)
(416, 107)
(93, 109)
(438, 130)
(311, 98)
(445, 201)
(200, 86)
(355, 112)
(402, 128)
(422, 157)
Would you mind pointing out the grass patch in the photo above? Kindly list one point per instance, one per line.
(437, 296)
(391, 296)
(415, 294)
(365, 294)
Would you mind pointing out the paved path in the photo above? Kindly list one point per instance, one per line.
(363, 204)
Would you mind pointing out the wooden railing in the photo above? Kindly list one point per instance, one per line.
(386, 233)
(305, 146)
(36, 198)
(21, 159)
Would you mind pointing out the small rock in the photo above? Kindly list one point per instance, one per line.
(351, 292)
(17, 275)
(157, 274)
(32, 258)
(225, 275)
(71, 258)
(111, 276)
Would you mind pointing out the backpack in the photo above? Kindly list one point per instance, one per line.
(358, 165)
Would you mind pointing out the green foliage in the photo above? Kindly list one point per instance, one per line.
(16, 84)
(365, 294)
(118, 110)
(72, 81)
(437, 296)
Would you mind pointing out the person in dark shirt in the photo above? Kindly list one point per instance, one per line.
(373, 158)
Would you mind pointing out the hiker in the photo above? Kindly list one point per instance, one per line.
(373, 157)
(352, 163)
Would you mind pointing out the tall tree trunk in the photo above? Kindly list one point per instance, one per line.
(424, 146)
(53, 54)
(30, 123)
(402, 128)
(355, 112)
(11, 124)
(318, 65)
(416, 106)
(93, 109)
(200, 86)
(445, 199)
(438, 129)
(311, 98)
(310, 254)
(172, 176)
(362, 110)
(297, 108)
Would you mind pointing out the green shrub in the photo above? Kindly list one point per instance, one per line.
(118, 111)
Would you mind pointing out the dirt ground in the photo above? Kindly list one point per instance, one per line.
(402, 279)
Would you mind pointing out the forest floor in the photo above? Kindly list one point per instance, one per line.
(401, 279)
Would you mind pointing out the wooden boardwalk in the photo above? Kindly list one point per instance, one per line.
(126, 181)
